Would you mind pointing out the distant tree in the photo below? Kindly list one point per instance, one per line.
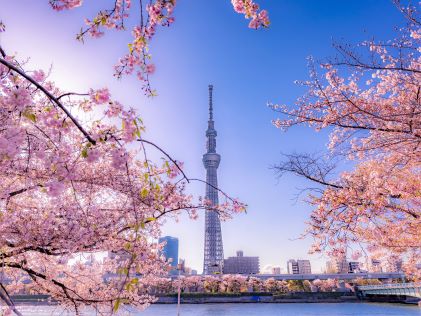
(370, 100)
(307, 286)
(192, 283)
(271, 285)
(325, 285)
(295, 286)
(211, 284)
(255, 284)
(360, 281)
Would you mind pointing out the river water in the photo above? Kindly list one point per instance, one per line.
(284, 309)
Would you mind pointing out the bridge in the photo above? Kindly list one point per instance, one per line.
(337, 276)
(325, 276)
(407, 289)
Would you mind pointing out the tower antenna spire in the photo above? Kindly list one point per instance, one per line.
(210, 103)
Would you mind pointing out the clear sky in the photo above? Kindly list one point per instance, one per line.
(210, 43)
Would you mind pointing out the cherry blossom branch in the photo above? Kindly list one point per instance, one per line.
(158, 13)
(50, 96)
(2, 52)
(216, 188)
(408, 12)
(308, 167)
(72, 93)
(167, 155)
(182, 172)
(64, 288)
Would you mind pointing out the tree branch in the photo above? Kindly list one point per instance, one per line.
(50, 96)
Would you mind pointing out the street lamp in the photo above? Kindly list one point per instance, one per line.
(179, 289)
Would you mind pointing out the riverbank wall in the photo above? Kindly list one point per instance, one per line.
(297, 297)
(209, 298)
(391, 299)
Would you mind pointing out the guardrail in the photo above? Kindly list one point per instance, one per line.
(339, 276)
(325, 276)
(390, 286)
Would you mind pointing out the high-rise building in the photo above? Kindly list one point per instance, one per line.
(170, 250)
(298, 266)
(241, 264)
(292, 266)
(337, 266)
(214, 252)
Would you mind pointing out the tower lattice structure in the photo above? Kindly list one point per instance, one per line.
(214, 251)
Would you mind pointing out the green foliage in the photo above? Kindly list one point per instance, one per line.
(296, 286)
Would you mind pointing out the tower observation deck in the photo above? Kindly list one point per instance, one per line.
(214, 251)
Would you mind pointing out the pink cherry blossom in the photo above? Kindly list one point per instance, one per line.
(55, 188)
(100, 96)
(39, 75)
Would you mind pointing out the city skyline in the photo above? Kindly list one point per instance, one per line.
(247, 77)
(240, 264)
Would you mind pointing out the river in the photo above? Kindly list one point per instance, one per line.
(284, 309)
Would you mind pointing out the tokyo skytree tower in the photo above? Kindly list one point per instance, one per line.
(214, 251)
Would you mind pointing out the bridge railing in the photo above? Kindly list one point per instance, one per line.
(340, 276)
(390, 286)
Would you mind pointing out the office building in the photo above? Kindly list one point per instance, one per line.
(241, 264)
(337, 266)
(298, 266)
(170, 250)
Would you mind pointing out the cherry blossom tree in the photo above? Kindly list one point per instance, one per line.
(274, 286)
(325, 285)
(235, 283)
(369, 99)
(255, 284)
(70, 188)
(193, 283)
(76, 179)
(211, 284)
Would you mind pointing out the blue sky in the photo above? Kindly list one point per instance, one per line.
(210, 43)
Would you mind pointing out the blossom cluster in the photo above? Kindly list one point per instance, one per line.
(258, 18)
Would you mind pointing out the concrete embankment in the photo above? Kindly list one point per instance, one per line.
(207, 298)
(392, 299)
(298, 297)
